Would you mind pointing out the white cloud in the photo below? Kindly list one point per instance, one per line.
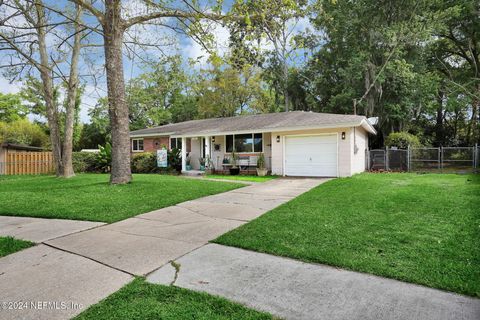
(89, 100)
(7, 87)
(194, 50)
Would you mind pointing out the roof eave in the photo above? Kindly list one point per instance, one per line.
(142, 135)
(363, 123)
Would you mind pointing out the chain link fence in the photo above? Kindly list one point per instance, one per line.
(443, 159)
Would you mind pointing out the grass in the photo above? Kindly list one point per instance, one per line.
(91, 197)
(423, 229)
(143, 301)
(242, 177)
(10, 245)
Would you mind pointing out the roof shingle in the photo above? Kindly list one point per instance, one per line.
(257, 122)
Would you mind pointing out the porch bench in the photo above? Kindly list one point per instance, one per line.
(245, 163)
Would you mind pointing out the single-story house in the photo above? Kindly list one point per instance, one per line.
(294, 143)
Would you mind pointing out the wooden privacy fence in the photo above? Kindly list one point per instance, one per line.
(27, 163)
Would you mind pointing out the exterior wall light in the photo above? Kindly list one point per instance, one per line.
(278, 138)
(213, 139)
(343, 135)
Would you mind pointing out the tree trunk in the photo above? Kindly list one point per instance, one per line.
(72, 91)
(285, 86)
(50, 104)
(439, 130)
(113, 30)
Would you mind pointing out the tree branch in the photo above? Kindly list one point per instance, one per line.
(97, 13)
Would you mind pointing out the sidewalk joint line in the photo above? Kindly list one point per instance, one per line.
(91, 259)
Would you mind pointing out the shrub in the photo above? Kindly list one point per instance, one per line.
(23, 132)
(402, 140)
(84, 161)
(145, 162)
(104, 157)
(174, 158)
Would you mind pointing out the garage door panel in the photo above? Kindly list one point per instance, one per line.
(311, 156)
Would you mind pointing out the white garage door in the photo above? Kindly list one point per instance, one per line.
(311, 156)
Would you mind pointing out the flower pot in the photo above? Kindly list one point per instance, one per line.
(262, 172)
(202, 168)
(234, 171)
(189, 167)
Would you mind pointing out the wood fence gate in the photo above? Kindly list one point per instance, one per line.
(27, 163)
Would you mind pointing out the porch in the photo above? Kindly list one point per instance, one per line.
(218, 148)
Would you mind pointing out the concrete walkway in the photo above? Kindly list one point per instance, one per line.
(39, 230)
(292, 289)
(66, 283)
(142, 244)
(94, 260)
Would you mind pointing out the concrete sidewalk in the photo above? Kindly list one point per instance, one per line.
(292, 289)
(143, 243)
(67, 282)
(39, 230)
(80, 267)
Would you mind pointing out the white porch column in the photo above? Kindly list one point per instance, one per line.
(184, 154)
(208, 139)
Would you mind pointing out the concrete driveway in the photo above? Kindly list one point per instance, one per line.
(79, 263)
(292, 289)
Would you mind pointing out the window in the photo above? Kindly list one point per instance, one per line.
(137, 145)
(229, 143)
(243, 143)
(248, 142)
(176, 143)
(257, 142)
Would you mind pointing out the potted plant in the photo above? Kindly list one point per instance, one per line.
(209, 165)
(261, 170)
(202, 163)
(175, 159)
(234, 169)
(187, 164)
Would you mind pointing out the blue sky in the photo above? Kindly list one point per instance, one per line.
(92, 62)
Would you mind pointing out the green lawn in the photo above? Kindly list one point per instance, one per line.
(141, 300)
(242, 178)
(416, 228)
(91, 197)
(10, 245)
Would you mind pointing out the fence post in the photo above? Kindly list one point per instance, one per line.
(438, 159)
(475, 160)
(387, 166)
(367, 159)
(408, 158)
(441, 159)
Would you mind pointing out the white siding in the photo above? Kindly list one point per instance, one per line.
(358, 159)
(217, 156)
